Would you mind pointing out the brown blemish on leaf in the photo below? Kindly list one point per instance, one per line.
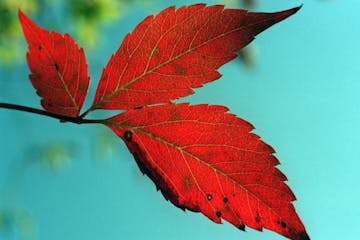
(82, 87)
(187, 183)
(175, 116)
(227, 207)
(179, 70)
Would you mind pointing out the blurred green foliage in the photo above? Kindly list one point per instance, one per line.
(10, 31)
(247, 4)
(17, 220)
(105, 146)
(87, 17)
(248, 56)
(4, 220)
(54, 156)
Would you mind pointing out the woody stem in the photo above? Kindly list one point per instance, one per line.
(77, 120)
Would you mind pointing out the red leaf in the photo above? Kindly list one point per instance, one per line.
(205, 159)
(177, 50)
(58, 67)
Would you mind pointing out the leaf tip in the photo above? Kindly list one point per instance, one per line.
(287, 13)
(303, 236)
(21, 15)
(25, 22)
(295, 9)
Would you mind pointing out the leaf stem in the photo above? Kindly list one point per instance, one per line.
(77, 120)
(92, 108)
(86, 112)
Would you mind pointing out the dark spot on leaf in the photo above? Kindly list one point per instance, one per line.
(40, 48)
(128, 136)
(257, 218)
(226, 200)
(56, 66)
(283, 224)
(218, 214)
(242, 227)
(138, 107)
(209, 197)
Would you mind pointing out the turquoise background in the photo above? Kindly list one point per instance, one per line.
(302, 96)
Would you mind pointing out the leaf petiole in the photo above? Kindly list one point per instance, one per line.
(77, 120)
(92, 108)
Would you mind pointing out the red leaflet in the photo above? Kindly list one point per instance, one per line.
(177, 50)
(58, 67)
(205, 159)
(200, 157)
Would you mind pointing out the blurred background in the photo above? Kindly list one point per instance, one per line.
(298, 83)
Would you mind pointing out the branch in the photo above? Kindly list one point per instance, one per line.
(77, 120)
